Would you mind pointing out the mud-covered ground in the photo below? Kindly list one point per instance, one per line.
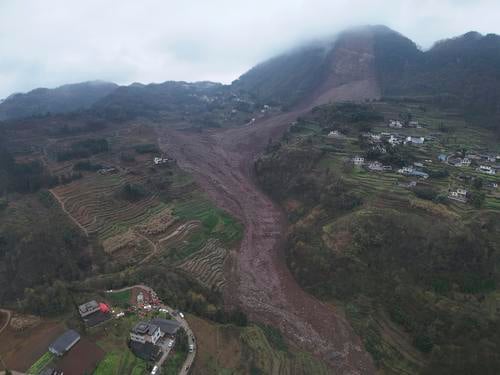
(260, 282)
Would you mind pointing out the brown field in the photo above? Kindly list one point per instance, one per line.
(3, 318)
(81, 359)
(21, 348)
(221, 345)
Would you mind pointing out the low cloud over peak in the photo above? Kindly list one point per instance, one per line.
(52, 42)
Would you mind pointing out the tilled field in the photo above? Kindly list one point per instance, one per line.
(259, 281)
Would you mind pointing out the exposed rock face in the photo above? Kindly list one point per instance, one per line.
(350, 73)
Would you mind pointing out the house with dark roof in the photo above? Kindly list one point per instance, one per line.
(167, 327)
(64, 342)
(145, 332)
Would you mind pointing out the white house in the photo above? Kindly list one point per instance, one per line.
(145, 332)
(415, 140)
(459, 195)
(395, 124)
(375, 166)
(465, 162)
(335, 134)
(393, 140)
(158, 161)
(486, 169)
(358, 160)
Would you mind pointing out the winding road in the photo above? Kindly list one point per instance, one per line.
(259, 279)
(191, 340)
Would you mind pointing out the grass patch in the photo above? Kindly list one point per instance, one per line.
(41, 363)
(120, 298)
(174, 363)
(121, 362)
(215, 223)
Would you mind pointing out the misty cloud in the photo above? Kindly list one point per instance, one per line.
(52, 42)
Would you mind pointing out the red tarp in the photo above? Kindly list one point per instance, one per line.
(104, 308)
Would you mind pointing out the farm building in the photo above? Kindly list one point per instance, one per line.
(159, 161)
(415, 140)
(358, 160)
(414, 124)
(459, 195)
(395, 124)
(492, 185)
(64, 342)
(145, 332)
(394, 139)
(486, 169)
(94, 313)
(459, 162)
(410, 171)
(335, 134)
(88, 308)
(167, 327)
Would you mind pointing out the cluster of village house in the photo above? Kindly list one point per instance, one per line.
(92, 313)
(156, 161)
(147, 337)
(486, 163)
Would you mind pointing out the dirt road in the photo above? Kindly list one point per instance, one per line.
(222, 163)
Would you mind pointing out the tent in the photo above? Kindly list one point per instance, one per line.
(104, 308)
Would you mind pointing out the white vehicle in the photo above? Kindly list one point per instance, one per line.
(191, 348)
(170, 343)
(181, 315)
(155, 370)
(163, 310)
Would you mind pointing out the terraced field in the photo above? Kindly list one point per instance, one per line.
(207, 265)
(93, 204)
(273, 361)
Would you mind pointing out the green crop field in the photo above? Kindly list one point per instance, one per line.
(216, 222)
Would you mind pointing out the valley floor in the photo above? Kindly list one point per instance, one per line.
(261, 283)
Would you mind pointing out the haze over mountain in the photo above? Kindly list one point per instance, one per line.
(361, 63)
(63, 99)
(59, 42)
(463, 71)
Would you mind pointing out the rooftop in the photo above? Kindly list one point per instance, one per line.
(167, 326)
(88, 306)
(65, 341)
(144, 328)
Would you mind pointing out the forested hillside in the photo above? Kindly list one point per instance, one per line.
(415, 272)
(462, 72)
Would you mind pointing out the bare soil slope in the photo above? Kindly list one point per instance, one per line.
(260, 282)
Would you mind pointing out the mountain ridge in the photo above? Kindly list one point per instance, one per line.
(62, 99)
(360, 63)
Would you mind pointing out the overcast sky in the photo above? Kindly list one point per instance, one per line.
(46, 43)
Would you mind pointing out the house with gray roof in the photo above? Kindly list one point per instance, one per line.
(64, 342)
